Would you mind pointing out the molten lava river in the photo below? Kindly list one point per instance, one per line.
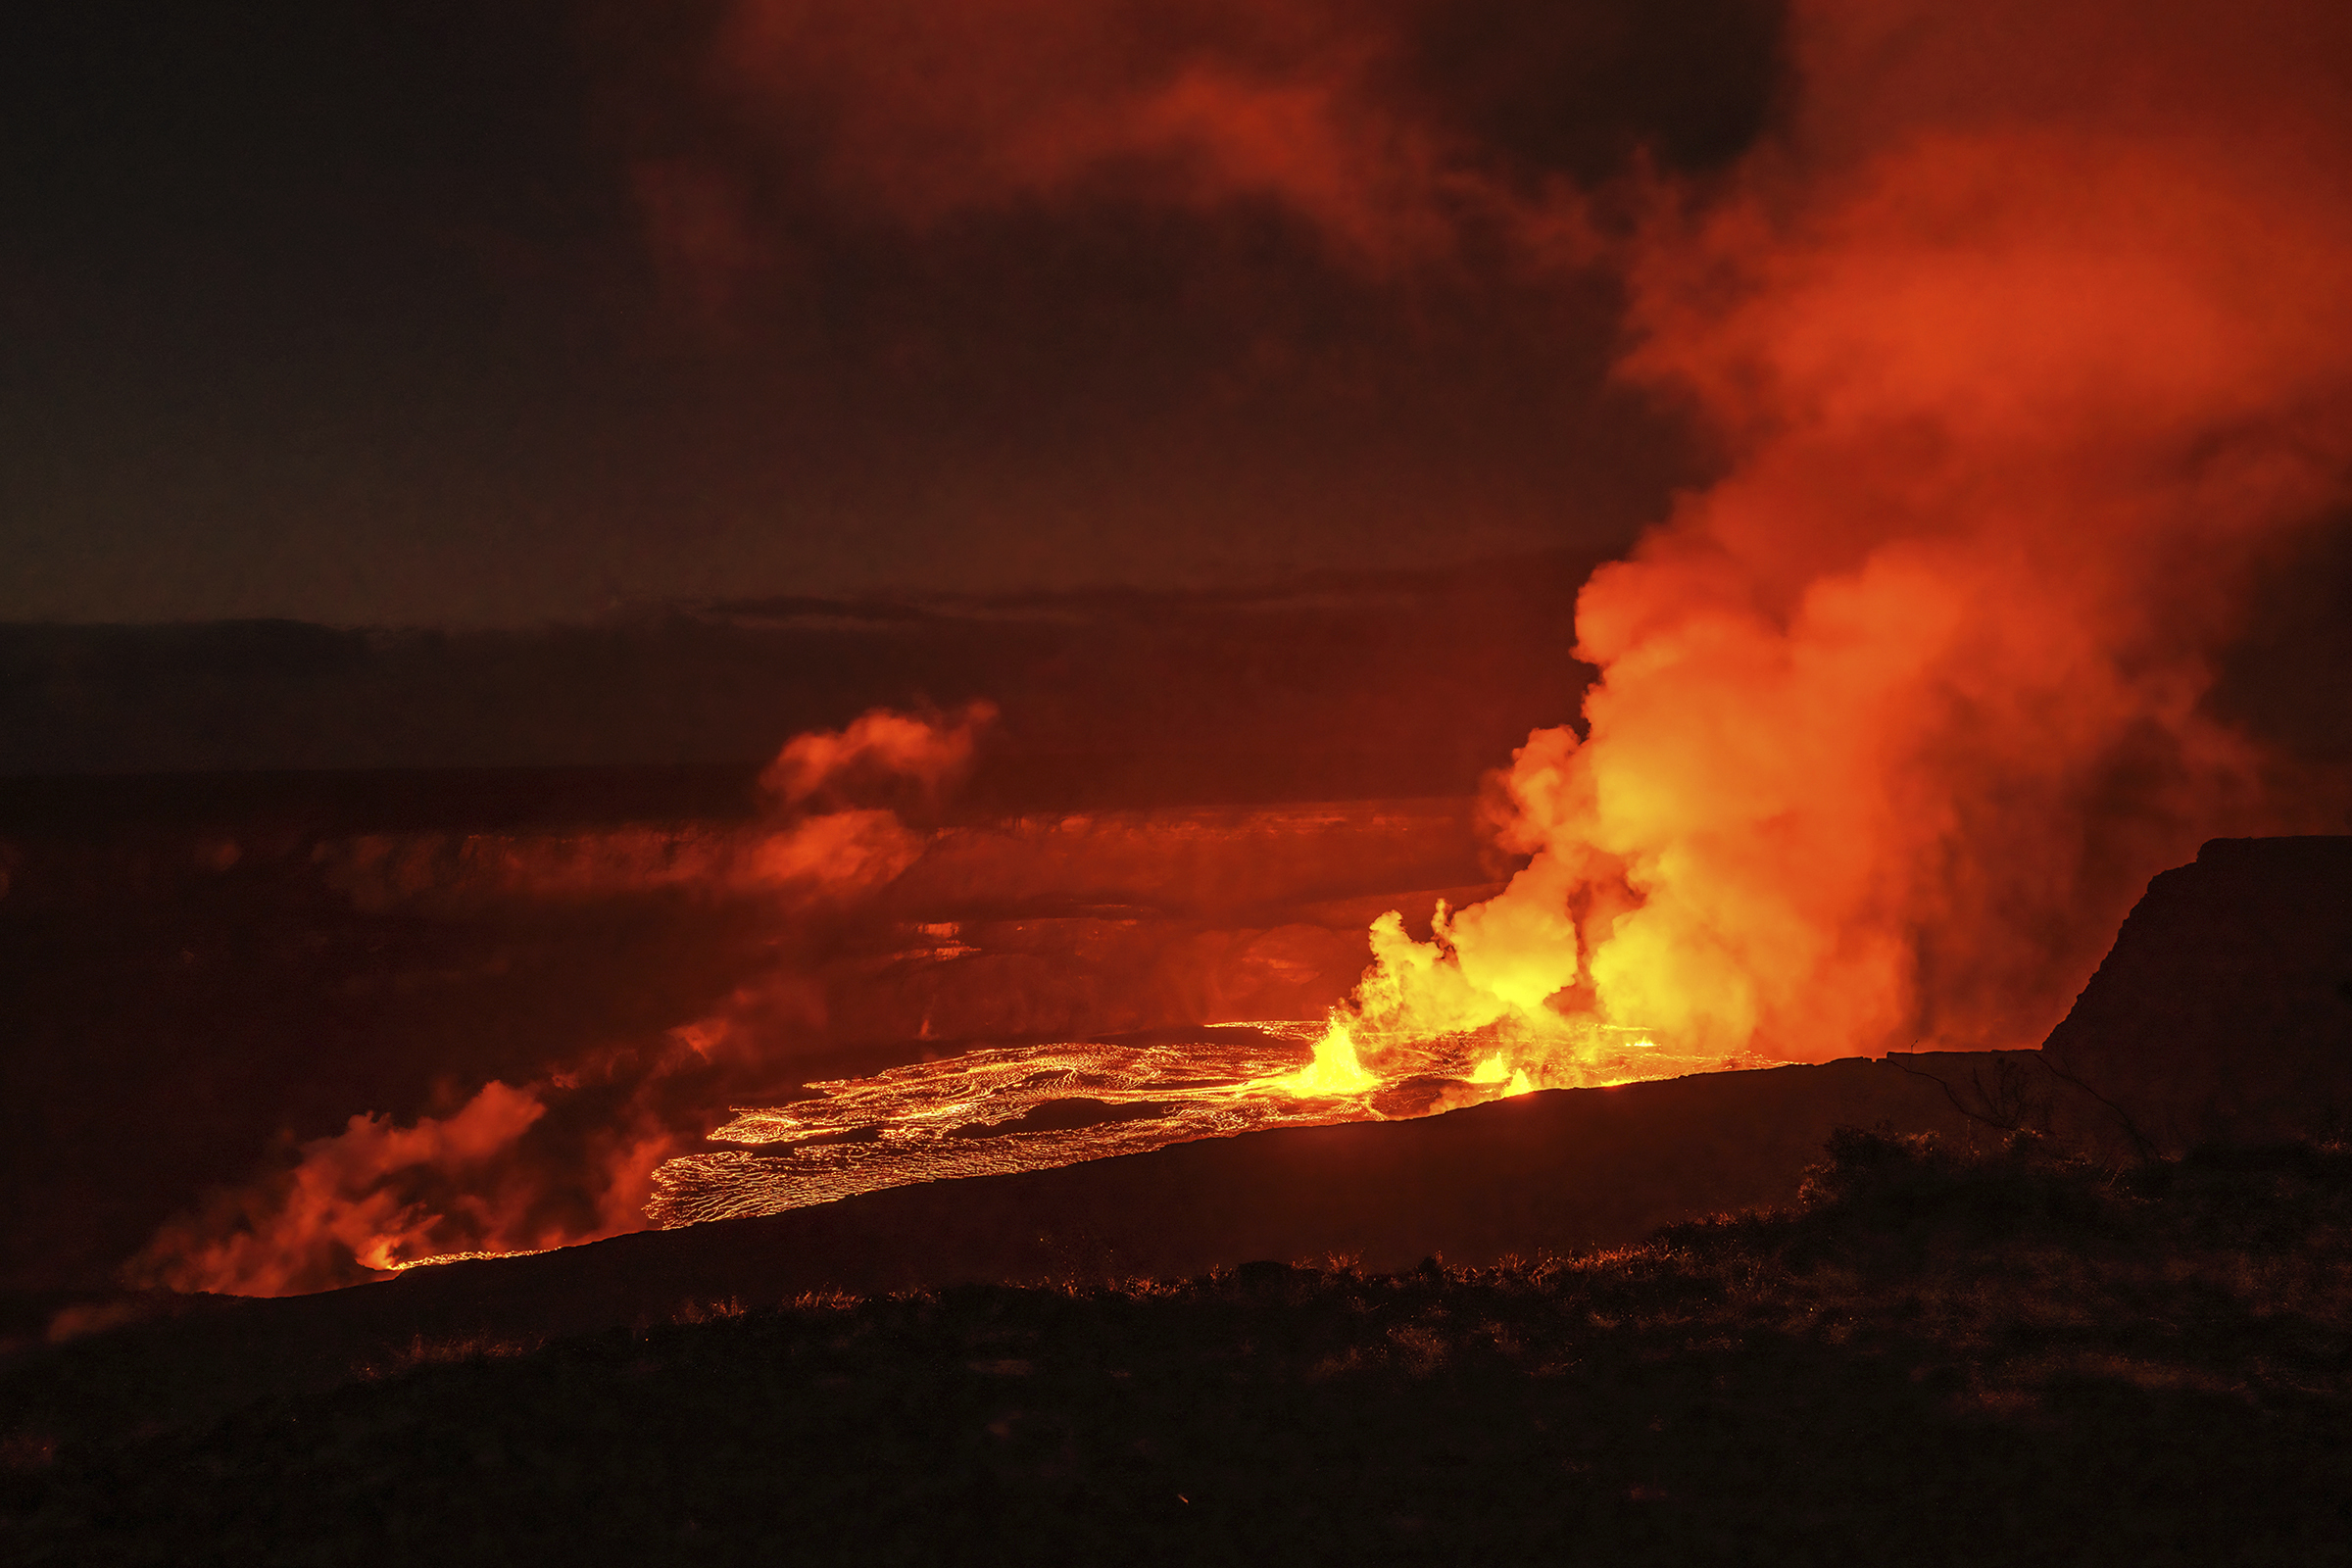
(1034, 1107)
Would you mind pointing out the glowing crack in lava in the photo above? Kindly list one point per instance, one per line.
(1035, 1108)
(383, 1259)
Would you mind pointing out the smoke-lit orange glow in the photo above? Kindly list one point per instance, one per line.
(474, 1182)
(2023, 343)
(2019, 383)
(338, 1201)
(930, 111)
(880, 745)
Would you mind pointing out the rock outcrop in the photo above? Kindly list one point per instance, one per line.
(2223, 1011)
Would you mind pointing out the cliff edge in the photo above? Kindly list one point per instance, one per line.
(2223, 1011)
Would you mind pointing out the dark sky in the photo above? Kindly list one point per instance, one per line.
(421, 312)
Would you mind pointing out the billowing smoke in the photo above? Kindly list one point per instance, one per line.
(1401, 134)
(569, 1155)
(927, 109)
(2028, 341)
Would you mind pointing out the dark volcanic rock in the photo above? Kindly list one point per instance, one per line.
(2224, 1011)
(1561, 1170)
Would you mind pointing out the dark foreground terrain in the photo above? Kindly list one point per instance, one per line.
(2021, 1357)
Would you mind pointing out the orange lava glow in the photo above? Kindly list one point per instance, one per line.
(1036, 1107)
(400, 1265)
(1334, 1070)
(2029, 342)
(2024, 344)
(479, 1181)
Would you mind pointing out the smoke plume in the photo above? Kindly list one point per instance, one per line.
(2028, 341)
(1399, 134)
(569, 1155)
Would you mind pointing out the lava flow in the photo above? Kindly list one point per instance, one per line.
(1016, 1108)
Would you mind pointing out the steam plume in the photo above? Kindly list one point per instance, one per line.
(2028, 341)
(569, 1155)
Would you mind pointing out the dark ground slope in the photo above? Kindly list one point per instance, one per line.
(1555, 1171)
(2014, 1357)
(1990, 1352)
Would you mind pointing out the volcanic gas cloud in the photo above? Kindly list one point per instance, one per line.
(2024, 338)
(2026, 341)
(571, 1156)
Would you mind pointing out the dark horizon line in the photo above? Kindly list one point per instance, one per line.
(886, 608)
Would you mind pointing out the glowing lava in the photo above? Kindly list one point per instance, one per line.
(1335, 1070)
(1035, 1108)
(381, 1258)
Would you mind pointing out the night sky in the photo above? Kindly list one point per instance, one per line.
(429, 313)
